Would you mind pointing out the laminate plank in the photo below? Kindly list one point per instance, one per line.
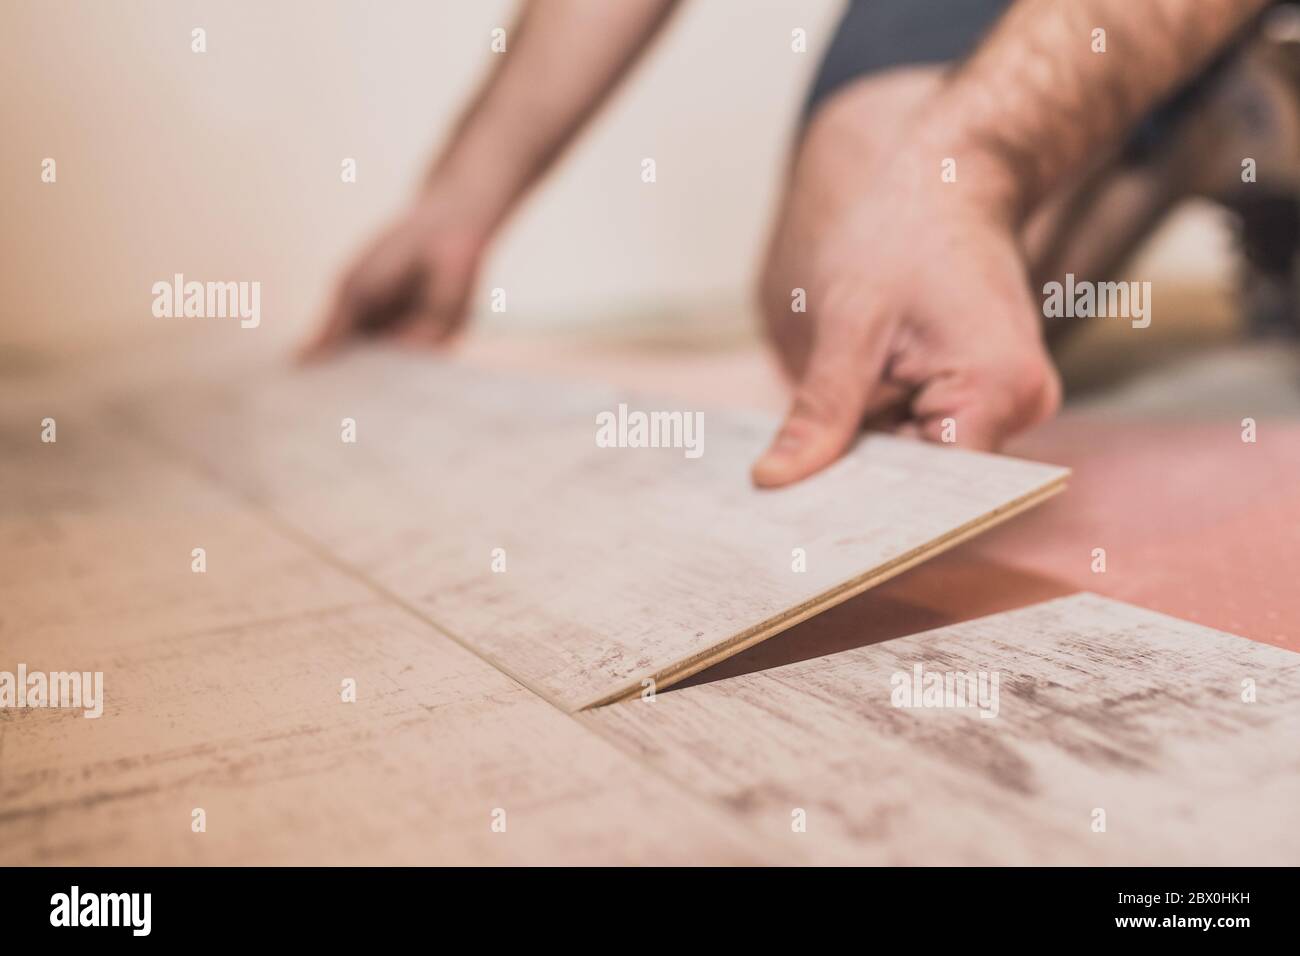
(1194, 522)
(224, 691)
(1101, 707)
(97, 544)
(249, 725)
(622, 565)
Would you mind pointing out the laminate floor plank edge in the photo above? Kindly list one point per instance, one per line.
(836, 596)
(624, 565)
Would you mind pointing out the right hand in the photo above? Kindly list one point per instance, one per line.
(412, 283)
(918, 307)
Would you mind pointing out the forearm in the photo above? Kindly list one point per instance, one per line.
(562, 58)
(1036, 100)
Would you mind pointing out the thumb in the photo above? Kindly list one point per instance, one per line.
(840, 386)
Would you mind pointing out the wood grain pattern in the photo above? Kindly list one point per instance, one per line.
(247, 723)
(97, 532)
(223, 692)
(1195, 522)
(623, 564)
(1101, 705)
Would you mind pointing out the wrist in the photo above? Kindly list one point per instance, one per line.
(987, 172)
(475, 188)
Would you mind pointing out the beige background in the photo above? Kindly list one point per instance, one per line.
(225, 166)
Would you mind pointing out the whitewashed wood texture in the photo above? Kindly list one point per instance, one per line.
(223, 691)
(1102, 706)
(623, 565)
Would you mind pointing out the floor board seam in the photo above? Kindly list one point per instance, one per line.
(317, 549)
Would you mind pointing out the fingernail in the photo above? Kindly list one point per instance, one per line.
(773, 467)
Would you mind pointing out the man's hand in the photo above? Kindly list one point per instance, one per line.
(918, 309)
(916, 290)
(413, 281)
(561, 61)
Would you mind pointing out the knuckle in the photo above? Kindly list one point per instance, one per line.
(1052, 395)
(1034, 386)
(847, 308)
(1026, 376)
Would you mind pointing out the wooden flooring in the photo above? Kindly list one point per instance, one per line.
(329, 563)
(1106, 714)
(622, 566)
(223, 692)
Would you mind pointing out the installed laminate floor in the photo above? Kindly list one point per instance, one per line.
(1113, 735)
(223, 691)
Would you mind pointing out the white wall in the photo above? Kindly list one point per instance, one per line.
(226, 165)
